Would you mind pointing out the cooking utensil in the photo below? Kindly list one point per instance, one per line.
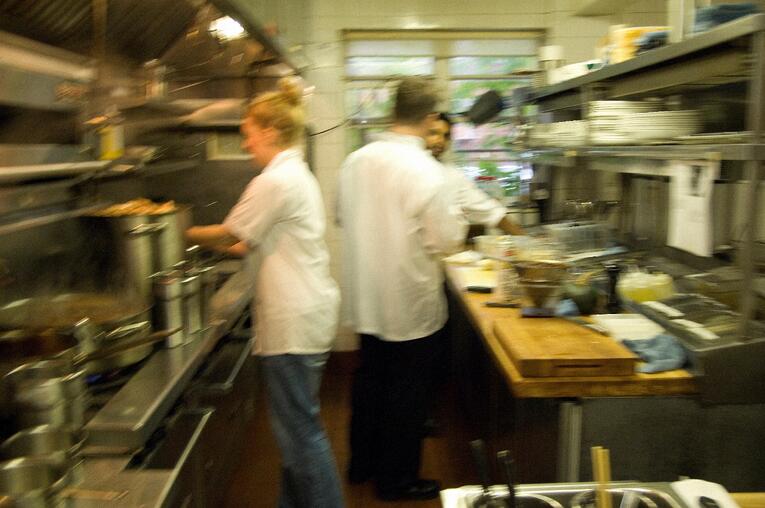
(486, 499)
(59, 313)
(81, 359)
(58, 444)
(168, 308)
(171, 242)
(601, 472)
(70, 362)
(29, 389)
(135, 245)
(506, 465)
(32, 482)
(613, 305)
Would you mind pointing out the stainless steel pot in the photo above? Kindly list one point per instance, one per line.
(32, 482)
(59, 444)
(52, 390)
(146, 244)
(57, 315)
(135, 241)
(65, 412)
(30, 389)
(171, 244)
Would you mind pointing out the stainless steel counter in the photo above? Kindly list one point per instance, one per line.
(131, 416)
(127, 421)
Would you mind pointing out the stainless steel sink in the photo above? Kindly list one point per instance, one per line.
(582, 495)
(577, 495)
(522, 500)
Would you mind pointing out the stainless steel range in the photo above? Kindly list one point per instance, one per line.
(166, 433)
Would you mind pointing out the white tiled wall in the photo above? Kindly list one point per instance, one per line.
(316, 25)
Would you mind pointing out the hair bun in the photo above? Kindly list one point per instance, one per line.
(290, 90)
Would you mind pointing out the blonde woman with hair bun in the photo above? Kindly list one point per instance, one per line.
(280, 220)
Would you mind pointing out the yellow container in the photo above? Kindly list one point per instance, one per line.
(111, 142)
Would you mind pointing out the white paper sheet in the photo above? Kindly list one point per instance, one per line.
(628, 326)
(690, 206)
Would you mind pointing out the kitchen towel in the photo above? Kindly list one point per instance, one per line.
(659, 353)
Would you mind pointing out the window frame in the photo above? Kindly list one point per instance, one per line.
(443, 44)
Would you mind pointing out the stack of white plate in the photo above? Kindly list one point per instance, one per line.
(608, 119)
(572, 133)
(661, 126)
(620, 108)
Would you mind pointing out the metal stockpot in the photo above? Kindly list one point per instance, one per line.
(54, 316)
(171, 243)
(168, 304)
(58, 444)
(147, 243)
(135, 240)
(33, 482)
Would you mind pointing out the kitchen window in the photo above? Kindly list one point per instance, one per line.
(465, 65)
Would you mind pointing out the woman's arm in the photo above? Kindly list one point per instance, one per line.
(214, 236)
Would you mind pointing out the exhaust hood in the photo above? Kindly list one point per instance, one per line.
(140, 30)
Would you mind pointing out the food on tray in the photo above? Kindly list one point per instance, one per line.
(140, 206)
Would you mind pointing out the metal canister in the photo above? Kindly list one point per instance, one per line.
(208, 278)
(168, 305)
(192, 316)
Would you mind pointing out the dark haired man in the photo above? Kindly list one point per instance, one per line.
(397, 217)
(478, 207)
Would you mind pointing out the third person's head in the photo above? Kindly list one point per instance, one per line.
(439, 135)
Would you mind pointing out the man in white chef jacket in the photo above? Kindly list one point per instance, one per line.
(397, 218)
(476, 204)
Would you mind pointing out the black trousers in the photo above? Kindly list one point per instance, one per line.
(391, 396)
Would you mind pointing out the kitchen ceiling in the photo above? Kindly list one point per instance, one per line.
(139, 29)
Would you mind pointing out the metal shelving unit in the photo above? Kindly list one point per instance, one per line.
(731, 54)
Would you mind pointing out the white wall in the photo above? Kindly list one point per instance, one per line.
(318, 26)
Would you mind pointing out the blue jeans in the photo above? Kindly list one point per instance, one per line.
(309, 472)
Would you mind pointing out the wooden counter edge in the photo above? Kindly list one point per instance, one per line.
(676, 382)
(749, 499)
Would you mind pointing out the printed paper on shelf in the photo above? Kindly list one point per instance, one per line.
(690, 206)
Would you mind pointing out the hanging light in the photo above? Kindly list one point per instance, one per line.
(227, 29)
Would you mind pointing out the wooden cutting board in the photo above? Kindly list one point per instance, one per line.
(552, 347)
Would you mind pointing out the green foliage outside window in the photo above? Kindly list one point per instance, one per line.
(490, 65)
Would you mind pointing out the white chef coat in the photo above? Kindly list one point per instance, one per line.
(397, 215)
(281, 216)
(478, 207)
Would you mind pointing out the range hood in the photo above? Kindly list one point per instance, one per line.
(156, 66)
(139, 30)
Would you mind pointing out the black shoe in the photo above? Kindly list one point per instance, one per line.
(357, 476)
(418, 489)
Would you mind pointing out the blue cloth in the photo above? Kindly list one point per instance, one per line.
(567, 307)
(309, 472)
(651, 40)
(659, 353)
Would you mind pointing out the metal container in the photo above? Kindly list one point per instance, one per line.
(57, 444)
(208, 278)
(135, 241)
(31, 391)
(192, 317)
(168, 305)
(171, 244)
(32, 482)
(65, 412)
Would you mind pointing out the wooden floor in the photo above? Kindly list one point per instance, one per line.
(255, 483)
